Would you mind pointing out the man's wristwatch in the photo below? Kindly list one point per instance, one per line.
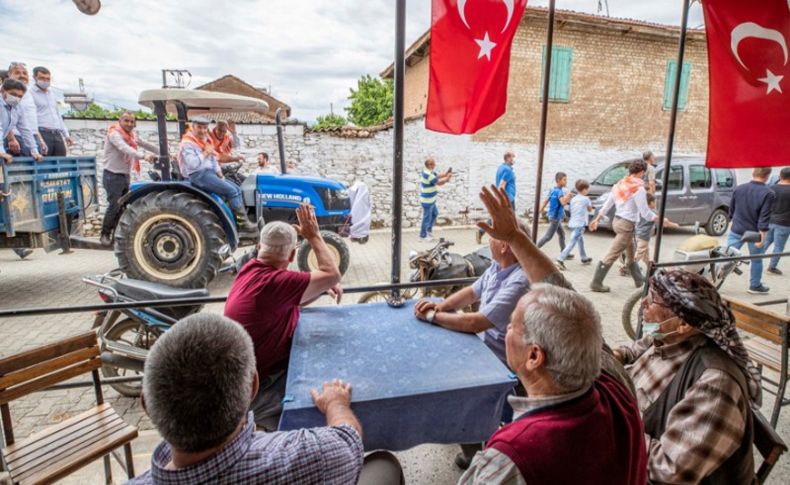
(429, 315)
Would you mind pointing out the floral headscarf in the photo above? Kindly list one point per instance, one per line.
(697, 302)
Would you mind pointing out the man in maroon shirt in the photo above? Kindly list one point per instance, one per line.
(265, 300)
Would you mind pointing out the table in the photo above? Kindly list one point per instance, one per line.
(412, 382)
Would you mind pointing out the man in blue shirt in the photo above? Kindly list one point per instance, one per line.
(197, 160)
(750, 210)
(13, 118)
(429, 187)
(557, 199)
(505, 179)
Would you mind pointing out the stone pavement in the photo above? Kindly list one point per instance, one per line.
(55, 280)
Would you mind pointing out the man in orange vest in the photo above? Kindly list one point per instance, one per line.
(225, 139)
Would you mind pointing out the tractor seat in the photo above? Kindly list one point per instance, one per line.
(145, 290)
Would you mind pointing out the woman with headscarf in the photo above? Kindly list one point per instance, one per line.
(694, 383)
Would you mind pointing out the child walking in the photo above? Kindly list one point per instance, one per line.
(644, 231)
(557, 199)
(580, 210)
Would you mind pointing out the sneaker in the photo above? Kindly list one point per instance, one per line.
(105, 240)
(570, 256)
(586, 260)
(560, 264)
(775, 271)
(758, 290)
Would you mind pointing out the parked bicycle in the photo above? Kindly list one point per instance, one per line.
(126, 335)
(437, 263)
(695, 248)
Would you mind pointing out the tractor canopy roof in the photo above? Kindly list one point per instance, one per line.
(198, 101)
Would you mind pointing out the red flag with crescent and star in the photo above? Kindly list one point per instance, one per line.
(749, 82)
(470, 62)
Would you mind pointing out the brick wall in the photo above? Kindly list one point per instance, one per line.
(616, 93)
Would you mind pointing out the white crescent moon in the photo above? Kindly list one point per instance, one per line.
(509, 5)
(750, 29)
(462, 5)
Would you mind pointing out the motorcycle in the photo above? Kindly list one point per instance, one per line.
(437, 263)
(695, 248)
(126, 335)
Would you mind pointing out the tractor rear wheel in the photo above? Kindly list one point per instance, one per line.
(170, 237)
(307, 261)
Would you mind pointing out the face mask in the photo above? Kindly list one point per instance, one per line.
(12, 100)
(43, 84)
(653, 329)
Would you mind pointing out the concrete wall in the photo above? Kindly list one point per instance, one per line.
(369, 159)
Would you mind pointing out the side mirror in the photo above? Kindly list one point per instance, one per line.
(751, 237)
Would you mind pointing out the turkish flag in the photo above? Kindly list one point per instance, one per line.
(470, 62)
(749, 82)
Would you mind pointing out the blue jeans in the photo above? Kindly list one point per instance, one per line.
(777, 235)
(756, 265)
(577, 237)
(210, 182)
(429, 215)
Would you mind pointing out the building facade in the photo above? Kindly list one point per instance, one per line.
(610, 85)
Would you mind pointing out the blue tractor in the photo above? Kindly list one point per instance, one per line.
(174, 233)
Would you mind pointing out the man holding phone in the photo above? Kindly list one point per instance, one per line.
(429, 187)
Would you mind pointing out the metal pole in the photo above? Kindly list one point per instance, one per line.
(161, 126)
(280, 142)
(671, 139)
(397, 152)
(544, 113)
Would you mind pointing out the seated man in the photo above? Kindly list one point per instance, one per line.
(197, 160)
(199, 380)
(265, 300)
(266, 168)
(694, 382)
(224, 139)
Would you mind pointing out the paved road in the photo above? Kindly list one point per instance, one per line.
(54, 280)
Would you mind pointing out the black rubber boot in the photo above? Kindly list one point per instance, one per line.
(637, 275)
(600, 273)
(244, 224)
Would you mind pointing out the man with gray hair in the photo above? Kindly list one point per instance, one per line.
(265, 300)
(200, 378)
(575, 390)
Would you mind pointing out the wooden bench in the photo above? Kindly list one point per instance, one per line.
(768, 347)
(65, 447)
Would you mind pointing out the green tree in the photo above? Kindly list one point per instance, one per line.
(371, 102)
(94, 111)
(329, 121)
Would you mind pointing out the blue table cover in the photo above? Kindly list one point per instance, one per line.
(412, 382)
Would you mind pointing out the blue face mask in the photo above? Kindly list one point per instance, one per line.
(653, 329)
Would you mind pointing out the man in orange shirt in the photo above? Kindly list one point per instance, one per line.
(225, 139)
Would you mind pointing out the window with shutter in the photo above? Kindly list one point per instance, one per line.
(560, 78)
(669, 85)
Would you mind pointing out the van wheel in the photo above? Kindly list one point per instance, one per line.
(717, 223)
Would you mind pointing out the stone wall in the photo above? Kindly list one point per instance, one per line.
(368, 157)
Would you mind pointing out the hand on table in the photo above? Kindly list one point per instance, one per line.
(422, 307)
(335, 393)
(504, 224)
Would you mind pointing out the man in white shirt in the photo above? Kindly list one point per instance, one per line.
(629, 197)
(50, 123)
(17, 146)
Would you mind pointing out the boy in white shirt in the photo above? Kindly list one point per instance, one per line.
(580, 210)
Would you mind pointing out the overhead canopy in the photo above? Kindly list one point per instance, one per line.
(201, 102)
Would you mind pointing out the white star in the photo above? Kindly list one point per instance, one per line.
(772, 80)
(485, 47)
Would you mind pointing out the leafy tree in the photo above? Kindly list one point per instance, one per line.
(371, 102)
(329, 121)
(94, 111)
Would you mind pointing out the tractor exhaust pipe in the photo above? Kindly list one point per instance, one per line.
(280, 143)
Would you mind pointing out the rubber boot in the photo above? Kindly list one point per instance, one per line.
(600, 273)
(244, 224)
(636, 274)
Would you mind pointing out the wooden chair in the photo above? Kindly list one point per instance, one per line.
(768, 443)
(63, 448)
(768, 347)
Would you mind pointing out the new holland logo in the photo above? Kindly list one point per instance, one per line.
(282, 197)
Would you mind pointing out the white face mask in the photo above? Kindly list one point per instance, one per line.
(43, 84)
(12, 100)
(653, 329)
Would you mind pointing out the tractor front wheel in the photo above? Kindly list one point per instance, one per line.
(170, 237)
(307, 260)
